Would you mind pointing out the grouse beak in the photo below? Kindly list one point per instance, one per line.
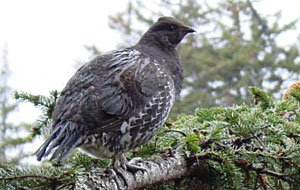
(189, 30)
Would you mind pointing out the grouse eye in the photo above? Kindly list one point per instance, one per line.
(172, 27)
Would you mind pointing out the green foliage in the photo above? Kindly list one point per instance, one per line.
(83, 162)
(260, 97)
(56, 176)
(46, 104)
(45, 177)
(296, 94)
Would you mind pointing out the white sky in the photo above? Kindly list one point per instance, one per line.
(46, 38)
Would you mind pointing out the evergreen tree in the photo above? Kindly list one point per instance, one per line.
(235, 47)
(11, 139)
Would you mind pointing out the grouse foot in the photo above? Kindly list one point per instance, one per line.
(120, 166)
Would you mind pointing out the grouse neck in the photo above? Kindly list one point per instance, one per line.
(155, 50)
(149, 40)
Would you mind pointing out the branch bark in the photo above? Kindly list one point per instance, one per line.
(158, 171)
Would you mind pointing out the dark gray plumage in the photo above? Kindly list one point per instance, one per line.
(118, 101)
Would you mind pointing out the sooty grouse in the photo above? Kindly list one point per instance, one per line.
(118, 101)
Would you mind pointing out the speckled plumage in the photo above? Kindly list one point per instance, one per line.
(118, 101)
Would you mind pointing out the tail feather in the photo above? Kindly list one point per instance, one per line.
(64, 138)
(66, 146)
(40, 153)
(63, 131)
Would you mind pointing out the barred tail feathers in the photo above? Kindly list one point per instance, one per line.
(65, 137)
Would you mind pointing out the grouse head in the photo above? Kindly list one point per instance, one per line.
(167, 32)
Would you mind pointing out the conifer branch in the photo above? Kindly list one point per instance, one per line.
(35, 176)
(176, 131)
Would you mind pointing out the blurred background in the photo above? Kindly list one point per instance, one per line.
(239, 43)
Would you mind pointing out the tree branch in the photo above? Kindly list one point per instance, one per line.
(165, 169)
